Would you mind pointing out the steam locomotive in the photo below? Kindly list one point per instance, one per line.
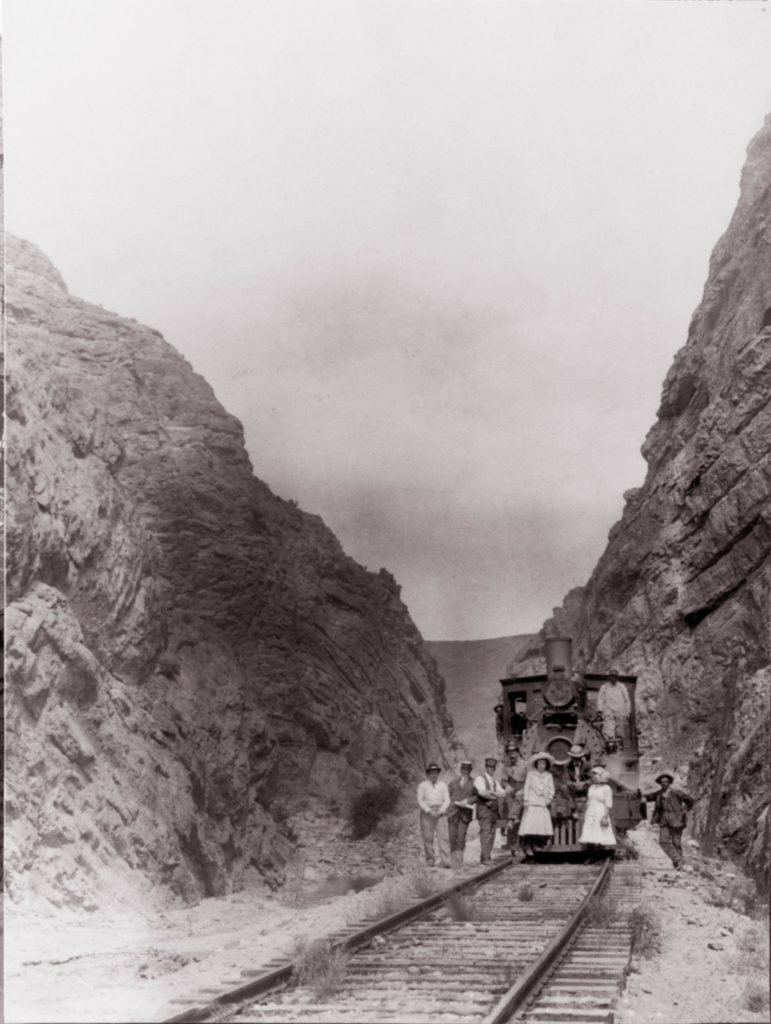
(551, 713)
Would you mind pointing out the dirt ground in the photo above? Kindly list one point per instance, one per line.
(130, 965)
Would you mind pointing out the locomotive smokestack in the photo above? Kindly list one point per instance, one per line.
(559, 655)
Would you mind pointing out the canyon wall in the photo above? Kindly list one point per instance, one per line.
(189, 657)
(681, 595)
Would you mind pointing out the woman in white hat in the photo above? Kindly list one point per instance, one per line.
(597, 829)
(536, 828)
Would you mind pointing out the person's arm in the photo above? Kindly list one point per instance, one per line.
(627, 701)
(549, 788)
(422, 798)
(528, 788)
(607, 798)
(445, 798)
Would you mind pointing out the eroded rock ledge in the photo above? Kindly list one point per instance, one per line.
(189, 656)
(681, 595)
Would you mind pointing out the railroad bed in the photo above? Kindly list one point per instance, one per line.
(463, 959)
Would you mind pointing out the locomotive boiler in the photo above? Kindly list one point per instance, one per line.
(558, 709)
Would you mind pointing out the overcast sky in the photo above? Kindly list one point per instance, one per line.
(436, 256)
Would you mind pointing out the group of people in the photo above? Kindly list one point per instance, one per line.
(526, 800)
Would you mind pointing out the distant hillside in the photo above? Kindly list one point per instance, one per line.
(472, 670)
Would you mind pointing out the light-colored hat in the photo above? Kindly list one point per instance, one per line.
(666, 775)
(541, 756)
(577, 751)
(433, 767)
(600, 773)
(491, 760)
(466, 764)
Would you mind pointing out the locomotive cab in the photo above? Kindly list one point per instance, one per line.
(555, 710)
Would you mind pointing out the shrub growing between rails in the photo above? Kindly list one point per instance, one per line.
(320, 966)
(370, 807)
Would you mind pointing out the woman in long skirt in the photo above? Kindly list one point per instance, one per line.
(597, 832)
(536, 828)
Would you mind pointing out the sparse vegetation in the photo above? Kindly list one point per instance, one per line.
(460, 907)
(756, 997)
(422, 883)
(389, 827)
(752, 949)
(525, 893)
(602, 912)
(646, 932)
(370, 807)
(320, 966)
(740, 894)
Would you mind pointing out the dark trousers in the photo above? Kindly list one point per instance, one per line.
(671, 842)
(487, 816)
(458, 826)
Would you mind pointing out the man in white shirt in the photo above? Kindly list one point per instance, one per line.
(615, 707)
(433, 801)
(490, 795)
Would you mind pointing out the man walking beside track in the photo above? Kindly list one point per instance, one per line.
(670, 815)
(490, 795)
(433, 801)
(463, 796)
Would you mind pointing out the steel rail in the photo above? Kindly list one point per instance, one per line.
(519, 993)
(279, 975)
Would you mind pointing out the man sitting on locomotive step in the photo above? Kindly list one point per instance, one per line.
(490, 796)
(514, 784)
(614, 705)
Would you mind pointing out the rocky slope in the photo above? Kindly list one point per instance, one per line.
(189, 657)
(681, 594)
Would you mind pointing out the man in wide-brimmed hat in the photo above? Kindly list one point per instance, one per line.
(433, 802)
(670, 815)
(577, 776)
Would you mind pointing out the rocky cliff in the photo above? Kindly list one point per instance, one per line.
(681, 596)
(189, 657)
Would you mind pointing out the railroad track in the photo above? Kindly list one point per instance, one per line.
(477, 951)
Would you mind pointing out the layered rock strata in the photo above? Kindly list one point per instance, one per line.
(190, 658)
(681, 594)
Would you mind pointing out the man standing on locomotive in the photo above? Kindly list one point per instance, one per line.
(615, 707)
(670, 815)
(490, 796)
(463, 796)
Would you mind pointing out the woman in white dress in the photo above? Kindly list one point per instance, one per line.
(536, 828)
(597, 829)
